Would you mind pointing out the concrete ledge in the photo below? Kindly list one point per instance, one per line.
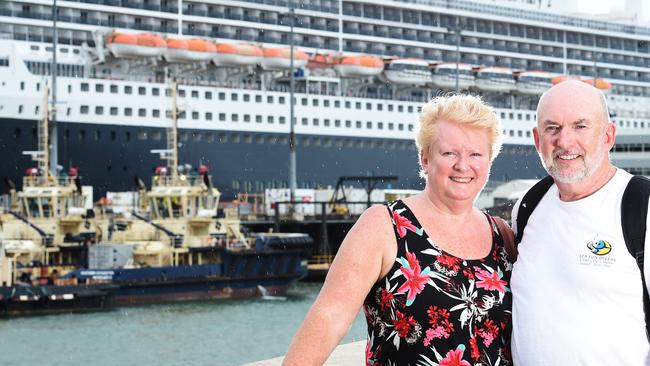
(343, 355)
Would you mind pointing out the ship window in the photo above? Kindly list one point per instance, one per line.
(259, 140)
(400, 108)
(337, 123)
(380, 107)
(337, 104)
(99, 110)
(113, 135)
(282, 120)
(281, 100)
(113, 89)
(303, 101)
(357, 105)
(391, 126)
(234, 117)
(269, 119)
(348, 123)
(258, 99)
(195, 115)
(128, 111)
(38, 86)
(142, 135)
(181, 115)
(4, 62)
(247, 98)
(156, 135)
(181, 93)
(326, 103)
(511, 115)
(348, 104)
(315, 122)
(390, 107)
(400, 127)
(247, 117)
(222, 96)
(269, 99)
(128, 89)
(82, 135)
(359, 124)
(69, 88)
(410, 127)
(305, 121)
(84, 86)
(142, 90)
(369, 125)
(83, 109)
(410, 109)
(369, 106)
(209, 137)
(184, 136)
(233, 97)
(511, 133)
(142, 112)
(155, 92)
(99, 88)
(196, 137)
(208, 116)
(314, 102)
(195, 93)
(503, 115)
(155, 113)
(527, 117)
(258, 118)
(36, 110)
(527, 133)
(248, 139)
(519, 116)
(222, 117)
(17, 133)
(127, 136)
(326, 122)
(68, 111)
(98, 135)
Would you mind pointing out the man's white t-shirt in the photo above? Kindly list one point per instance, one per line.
(577, 292)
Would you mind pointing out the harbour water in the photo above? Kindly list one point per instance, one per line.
(219, 333)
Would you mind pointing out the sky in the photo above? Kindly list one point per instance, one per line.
(608, 6)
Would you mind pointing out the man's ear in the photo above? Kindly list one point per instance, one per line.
(536, 138)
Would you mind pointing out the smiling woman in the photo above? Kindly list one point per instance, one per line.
(419, 266)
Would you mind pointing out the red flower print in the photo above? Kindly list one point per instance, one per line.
(385, 299)
(403, 324)
(488, 332)
(415, 281)
(490, 281)
(402, 223)
(449, 262)
(369, 360)
(473, 346)
(454, 358)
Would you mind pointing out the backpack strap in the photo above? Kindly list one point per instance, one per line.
(529, 202)
(634, 212)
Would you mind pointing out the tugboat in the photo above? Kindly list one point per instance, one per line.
(176, 245)
(46, 232)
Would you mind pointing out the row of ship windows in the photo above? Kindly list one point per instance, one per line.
(632, 147)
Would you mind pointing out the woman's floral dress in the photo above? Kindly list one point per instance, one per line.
(433, 308)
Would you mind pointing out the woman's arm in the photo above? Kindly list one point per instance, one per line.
(364, 256)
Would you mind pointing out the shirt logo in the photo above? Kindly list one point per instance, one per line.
(599, 247)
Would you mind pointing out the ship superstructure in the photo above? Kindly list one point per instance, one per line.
(363, 68)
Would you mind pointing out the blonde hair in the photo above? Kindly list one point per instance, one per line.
(462, 109)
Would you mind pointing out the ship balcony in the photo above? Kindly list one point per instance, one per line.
(170, 8)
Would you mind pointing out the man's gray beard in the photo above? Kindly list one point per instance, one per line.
(587, 170)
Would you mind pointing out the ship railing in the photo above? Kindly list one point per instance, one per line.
(180, 180)
(47, 181)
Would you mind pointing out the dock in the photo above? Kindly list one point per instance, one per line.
(344, 355)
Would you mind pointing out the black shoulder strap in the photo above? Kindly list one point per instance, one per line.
(528, 204)
(634, 212)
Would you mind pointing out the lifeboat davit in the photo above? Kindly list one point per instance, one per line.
(499, 79)
(444, 76)
(357, 66)
(191, 50)
(280, 58)
(235, 55)
(533, 82)
(135, 45)
(408, 71)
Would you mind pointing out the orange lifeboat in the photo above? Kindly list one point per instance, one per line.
(600, 84)
(280, 58)
(560, 78)
(357, 66)
(320, 61)
(408, 71)
(132, 45)
(192, 50)
(234, 55)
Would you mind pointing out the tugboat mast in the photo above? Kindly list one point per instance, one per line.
(53, 163)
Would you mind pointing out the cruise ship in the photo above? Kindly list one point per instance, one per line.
(362, 69)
